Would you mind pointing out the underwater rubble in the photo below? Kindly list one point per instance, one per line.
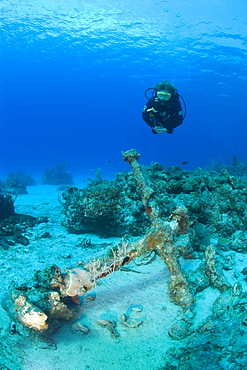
(172, 212)
(218, 343)
(13, 226)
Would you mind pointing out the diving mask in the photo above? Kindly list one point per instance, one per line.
(163, 95)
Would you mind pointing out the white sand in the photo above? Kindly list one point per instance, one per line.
(137, 348)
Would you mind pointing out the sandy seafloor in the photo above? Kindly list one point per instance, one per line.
(136, 348)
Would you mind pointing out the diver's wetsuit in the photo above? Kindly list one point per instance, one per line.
(167, 114)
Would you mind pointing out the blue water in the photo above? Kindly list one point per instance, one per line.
(74, 72)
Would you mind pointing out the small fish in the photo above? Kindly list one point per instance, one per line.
(184, 163)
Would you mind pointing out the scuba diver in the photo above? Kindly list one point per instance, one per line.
(163, 111)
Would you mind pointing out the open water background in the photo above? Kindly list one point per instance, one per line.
(73, 75)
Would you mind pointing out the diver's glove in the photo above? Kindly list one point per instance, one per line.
(159, 129)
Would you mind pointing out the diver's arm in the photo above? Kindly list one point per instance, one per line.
(146, 117)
